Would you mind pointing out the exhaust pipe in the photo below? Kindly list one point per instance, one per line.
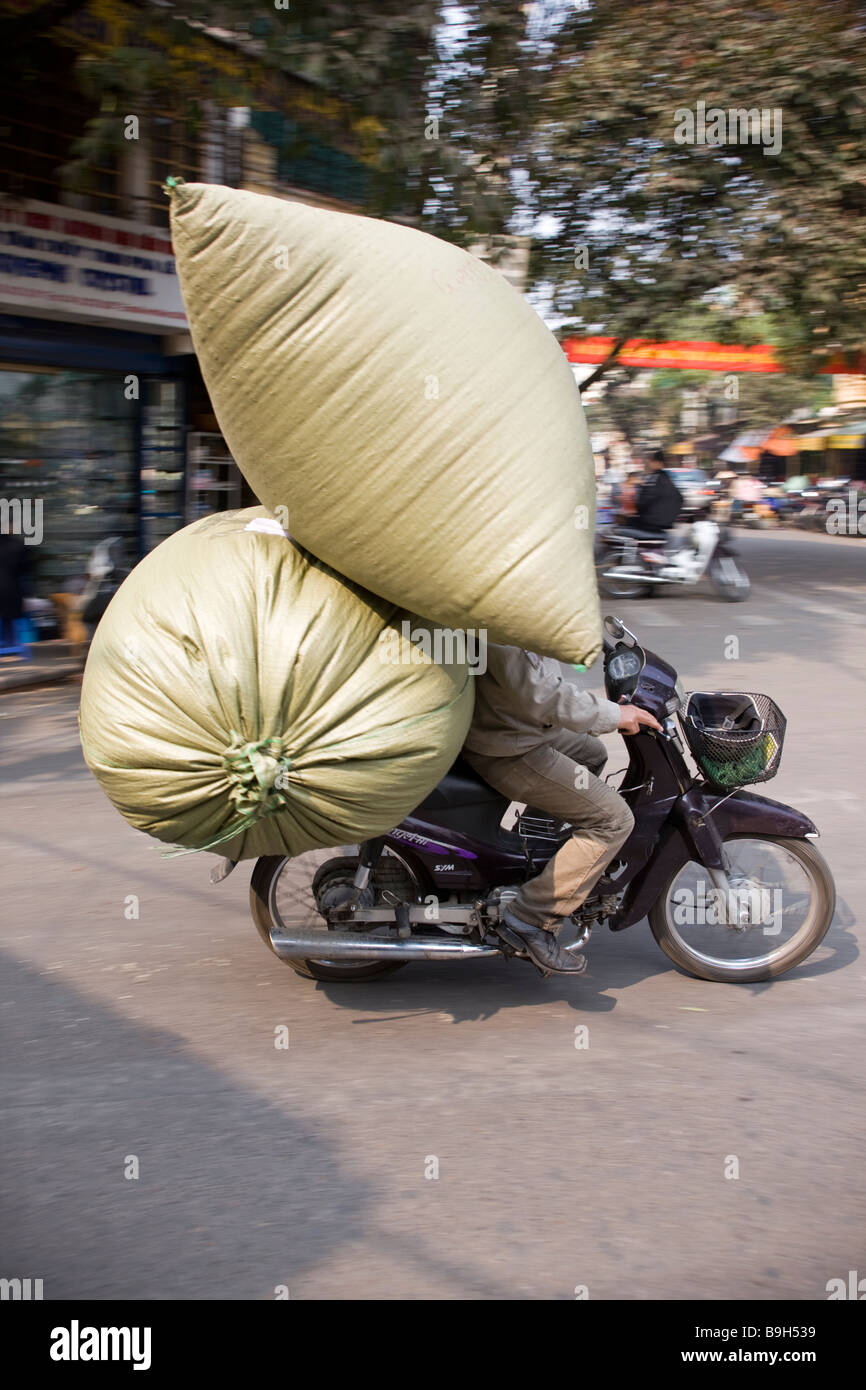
(320, 945)
(638, 574)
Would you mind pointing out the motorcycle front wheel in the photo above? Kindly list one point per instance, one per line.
(728, 580)
(778, 909)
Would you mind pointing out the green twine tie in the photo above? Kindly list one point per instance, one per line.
(255, 769)
(256, 772)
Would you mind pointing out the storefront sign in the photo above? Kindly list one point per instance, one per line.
(60, 263)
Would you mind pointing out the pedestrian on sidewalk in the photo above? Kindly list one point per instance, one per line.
(13, 568)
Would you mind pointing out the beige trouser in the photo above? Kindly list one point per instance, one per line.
(561, 779)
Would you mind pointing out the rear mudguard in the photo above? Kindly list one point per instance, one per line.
(698, 823)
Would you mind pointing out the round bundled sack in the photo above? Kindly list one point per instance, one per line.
(242, 697)
(404, 404)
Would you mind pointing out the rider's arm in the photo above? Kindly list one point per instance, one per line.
(641, 500)
(546, 694)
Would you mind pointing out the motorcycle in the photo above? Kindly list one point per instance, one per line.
(105, 574)
(816, 504)
(629, 565)
(733, 885)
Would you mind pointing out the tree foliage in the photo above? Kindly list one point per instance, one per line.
(665, 222)
(560, 118)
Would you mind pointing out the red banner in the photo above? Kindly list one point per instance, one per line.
(704, 357)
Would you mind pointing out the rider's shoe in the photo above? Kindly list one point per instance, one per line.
(541, 946)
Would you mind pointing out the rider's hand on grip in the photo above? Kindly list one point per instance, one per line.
(632, 718)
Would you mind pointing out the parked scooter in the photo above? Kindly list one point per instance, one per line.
(105, 574)
(815, 503)
(733, 885)
(629, 565)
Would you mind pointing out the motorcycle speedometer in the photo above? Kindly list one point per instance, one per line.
(623, 665)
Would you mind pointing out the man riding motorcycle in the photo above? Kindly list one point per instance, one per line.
(534, 738)
(659, 501)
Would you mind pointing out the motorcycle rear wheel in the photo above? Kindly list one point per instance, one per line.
(619, 588)
(683, 950)
(282, 895)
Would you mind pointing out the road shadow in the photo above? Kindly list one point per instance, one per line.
(473, 991)
(841, 944)
(235, 1197)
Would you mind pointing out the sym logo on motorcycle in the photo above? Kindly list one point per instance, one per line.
(732, 883)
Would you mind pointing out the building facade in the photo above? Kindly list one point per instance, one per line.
(105, 422)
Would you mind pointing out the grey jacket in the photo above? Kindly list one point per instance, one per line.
(522, 700)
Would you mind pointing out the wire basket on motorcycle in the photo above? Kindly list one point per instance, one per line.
(735, 738)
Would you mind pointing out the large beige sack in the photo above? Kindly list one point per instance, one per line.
(240, 696)
(407, 407)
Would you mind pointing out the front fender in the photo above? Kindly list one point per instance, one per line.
(705, 817)
(746, 812)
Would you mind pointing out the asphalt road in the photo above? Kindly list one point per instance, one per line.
(153, 1039)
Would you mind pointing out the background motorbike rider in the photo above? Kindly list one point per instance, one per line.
(534, 738)
(659, 500)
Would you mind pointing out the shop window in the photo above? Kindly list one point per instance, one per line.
(162, 461)
(68, 460)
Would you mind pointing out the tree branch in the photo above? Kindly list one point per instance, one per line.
(602, 367)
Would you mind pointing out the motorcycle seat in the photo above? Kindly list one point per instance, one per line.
(630, 533)
(461, 786)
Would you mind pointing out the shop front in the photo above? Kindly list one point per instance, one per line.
(836, 451)
(94, 371)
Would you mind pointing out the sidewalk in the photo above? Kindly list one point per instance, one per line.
(51, 662)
